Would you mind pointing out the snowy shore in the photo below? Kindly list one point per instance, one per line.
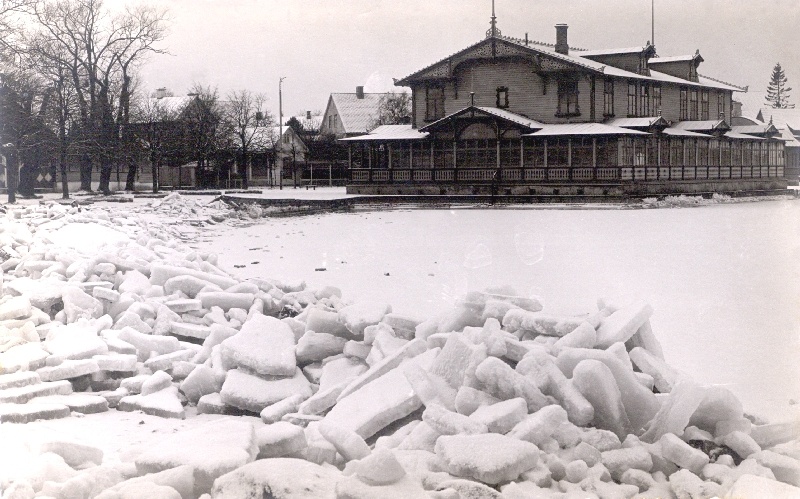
(108, 310)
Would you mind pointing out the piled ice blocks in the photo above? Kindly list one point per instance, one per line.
(493, 398)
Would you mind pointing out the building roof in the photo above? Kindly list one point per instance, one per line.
(750, 129)
(673, 58)
(782, 117)
(502, 114)
(736, 135)
(357, 115)
(391, 132)
(702, 125)
(644, 122)
(678, 132)
(583, 129)
(576, 57)
(626, 50)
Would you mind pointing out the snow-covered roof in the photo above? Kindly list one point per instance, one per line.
(702, 125)
(735, 135)
(391, 132)
(678, 132)
(626, 50)
(643, 122)
(576, 57)
(357, 114)
(673, 58)
(172, 104)
(782, 117)
(584, 129)
(502, 114)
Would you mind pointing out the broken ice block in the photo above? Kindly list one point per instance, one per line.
(274, 412)
(360, 315)
(684, 455)
(379, 402)
(504, 383)
(583, 336)
(489, 458)
(469, 399)
(347, 442)
(522, 321)
(538, 427)
(253, 393)
(675, 411)
(264, 345)
(313, 346)
(502, 416)
(597, 384)
(280, 439)
(451, 423)
(622, 324)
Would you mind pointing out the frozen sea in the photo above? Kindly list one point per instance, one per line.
(724, 280)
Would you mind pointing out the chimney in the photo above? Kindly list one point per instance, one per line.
(561, 39)
(308, 115)
(161, 92)
(359, 92)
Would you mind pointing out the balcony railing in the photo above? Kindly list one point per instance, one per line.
(560, 174)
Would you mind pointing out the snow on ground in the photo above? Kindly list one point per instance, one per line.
(523, 399)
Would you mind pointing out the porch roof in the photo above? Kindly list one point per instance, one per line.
(390, 132)
(583, 129)
(735, 135)
(678, 132)
(643, 122)
(502, 114)
(702, 125)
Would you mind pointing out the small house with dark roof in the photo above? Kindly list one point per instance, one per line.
(518, 117)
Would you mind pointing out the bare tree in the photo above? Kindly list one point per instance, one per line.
(207, 131)
(393, 109)
(158, 130)
(246, 115)
(100, 53)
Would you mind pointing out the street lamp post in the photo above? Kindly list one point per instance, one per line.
(280, 128)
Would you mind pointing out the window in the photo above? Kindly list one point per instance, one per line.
(644, 99)
(631, 98)
(721, 105)
(656, 99)
(568, 97)
(704, 104)
(502, 97)
(608, 97)
(684, 103)
(434, 103)
(693, 104)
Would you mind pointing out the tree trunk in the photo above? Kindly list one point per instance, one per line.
(12, 176)
(106, 168)
(86, 173)
(154, 165)
(130, 179)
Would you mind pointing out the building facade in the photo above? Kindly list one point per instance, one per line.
(513, 116)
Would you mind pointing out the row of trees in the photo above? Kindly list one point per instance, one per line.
(68, 69)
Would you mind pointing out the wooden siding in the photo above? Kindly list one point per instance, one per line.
(679, 69)
(628, 62)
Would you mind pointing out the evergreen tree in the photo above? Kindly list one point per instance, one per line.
(777, 90)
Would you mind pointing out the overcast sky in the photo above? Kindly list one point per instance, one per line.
(333, 46)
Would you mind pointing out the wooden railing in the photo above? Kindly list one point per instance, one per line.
(561, 174)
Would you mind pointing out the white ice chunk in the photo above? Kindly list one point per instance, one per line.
(280, 439)
(489, 458)
(252, 393)
(212, 449)
(623, 323)
(265, 345)
(294, 478)
(596, 382)
(360, 315)
(502, 416)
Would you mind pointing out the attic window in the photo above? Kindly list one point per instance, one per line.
(568, 98)
(434, 103)
(502, 97)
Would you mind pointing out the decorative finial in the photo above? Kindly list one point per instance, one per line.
(493, 32)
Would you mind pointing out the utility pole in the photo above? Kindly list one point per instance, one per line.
(653, 22)
(280, 129)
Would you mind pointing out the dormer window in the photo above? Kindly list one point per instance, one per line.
(502, 97)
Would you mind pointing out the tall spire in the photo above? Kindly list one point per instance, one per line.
(493, 31)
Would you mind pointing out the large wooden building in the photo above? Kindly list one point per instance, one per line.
(513, 116)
